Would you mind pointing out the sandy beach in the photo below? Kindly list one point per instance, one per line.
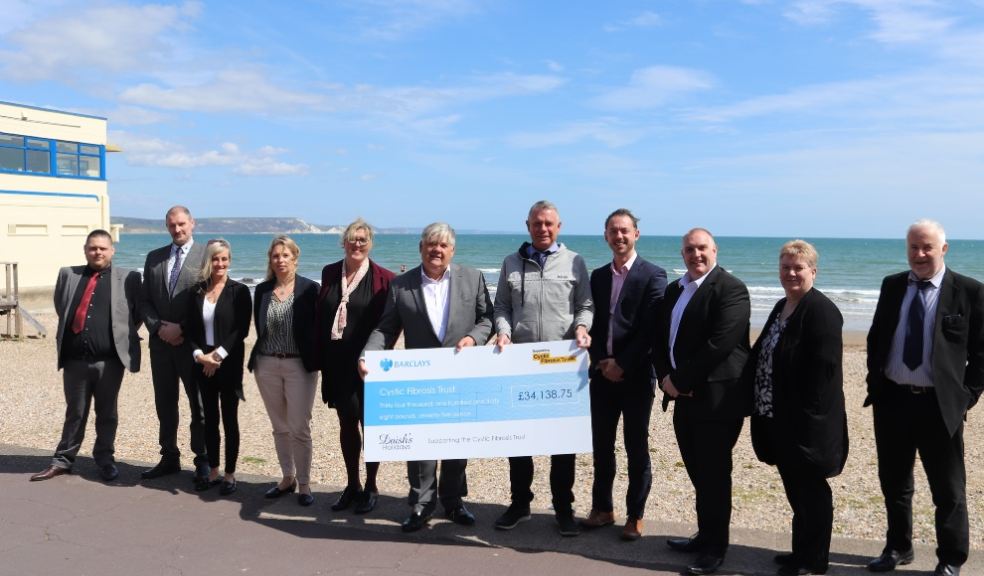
(32, 409)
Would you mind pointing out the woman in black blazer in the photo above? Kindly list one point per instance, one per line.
(798, 420)
(284, 363)
(217, 324)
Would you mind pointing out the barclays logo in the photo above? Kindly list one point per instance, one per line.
(386, 364)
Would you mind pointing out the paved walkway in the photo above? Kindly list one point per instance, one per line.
(79, 525)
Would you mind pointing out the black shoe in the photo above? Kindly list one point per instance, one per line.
(163, 468)
(276, 492)
(946, 570)
(109, 472)
(305, 499)
(460, 515)
(512, 517)
(202, 471)
(793, 570)
(414, 522)
(567, 525)
(203, 484)
(367, 502)
(227, 488)
(688, 545)
(889, 559)
(705, 564)
(345, 499)
(787, 559)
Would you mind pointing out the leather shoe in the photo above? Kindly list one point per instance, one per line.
(49, 473)
(202, 484)
(109, 472)
(367, 502)
(414, 522)
(889, 559)
(632, 530)
(345, 499)
(277, 492)
(946, 570)
(598, 519)
(460, 515)
(793, 570)
(163, 468)
(787, 559)
(305, 499)
(566, 524)
(689, 545)
(705, 564)
(227, 488)
(202, 471)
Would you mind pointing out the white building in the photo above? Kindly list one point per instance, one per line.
(52, 189)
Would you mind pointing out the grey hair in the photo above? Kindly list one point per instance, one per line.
(177, 208)
(541, 205)
(932, 225)
(438, 231)
(213, 247)
(355, 226)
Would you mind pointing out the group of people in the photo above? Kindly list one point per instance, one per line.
(688, 338)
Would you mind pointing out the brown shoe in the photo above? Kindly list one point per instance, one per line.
(632, 530)
(598, 519)
(49, 473)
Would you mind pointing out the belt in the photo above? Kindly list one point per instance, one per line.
(916, 390)
(279, 355)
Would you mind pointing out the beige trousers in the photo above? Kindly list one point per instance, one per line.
(288, 392)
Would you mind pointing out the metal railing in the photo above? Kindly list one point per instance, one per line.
(10, 306)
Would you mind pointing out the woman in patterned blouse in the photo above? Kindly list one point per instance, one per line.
(285, 366)
(798, 421)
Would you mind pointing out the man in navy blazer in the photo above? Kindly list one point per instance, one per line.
(925, 372)
(626, 293)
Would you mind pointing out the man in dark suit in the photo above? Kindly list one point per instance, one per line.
(925, 371)
(436, 305)
(96, 339)
(626, 292)
(169, 272)
(701, 349)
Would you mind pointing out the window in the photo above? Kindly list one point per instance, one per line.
(51, 157)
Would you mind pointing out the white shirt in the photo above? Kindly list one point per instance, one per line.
(689, 288)
(437, 301)
(618, 280)
(208, 318)
(184, 256)
(896, 370)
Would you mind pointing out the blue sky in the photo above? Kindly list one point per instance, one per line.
(800, 118)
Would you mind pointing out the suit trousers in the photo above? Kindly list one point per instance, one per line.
(706, 443)
(220, 394)
(810, 498)
(561, 481)
(633, 401)
(168, 364)
(288, 392)
(906, 423)
(424, 484)
(84, 382)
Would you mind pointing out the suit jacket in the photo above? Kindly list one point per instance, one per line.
(125, 316)
(634, 320)
(809, 422)
(470, 312)
(232, 315)
(302, 321)
(711, 344)
(958, 343)
(155, 303)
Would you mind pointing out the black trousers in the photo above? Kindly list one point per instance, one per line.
(633, 401)
(561, 481)
(705, 445)
(220, 396)
(426, 488)
(907, 423)
(84, 382)
(168, 365)
(810, 498)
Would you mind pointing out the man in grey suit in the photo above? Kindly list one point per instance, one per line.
(169, 272)
(437, 305)
(96, 339)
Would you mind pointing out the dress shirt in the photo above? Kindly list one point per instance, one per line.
(208, 318)
(896, 369)
(437, 301)
(184, 255)
(689, 286)
(95, 341)
(618, 280)
(533, 253)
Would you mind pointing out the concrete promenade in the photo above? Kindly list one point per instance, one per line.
(78, 525)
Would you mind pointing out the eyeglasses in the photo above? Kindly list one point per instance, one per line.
(358, 241)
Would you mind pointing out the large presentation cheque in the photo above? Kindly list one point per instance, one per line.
(432, 404)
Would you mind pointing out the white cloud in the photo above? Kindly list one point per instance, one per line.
(895, 21)
(227, 91)
(140, 151)
(87, 40)
(554, 66)
(134, 116)
(605, 131)
(391, 20)
(646, 19)
(654, 86)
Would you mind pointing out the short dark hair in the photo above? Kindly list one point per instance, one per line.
(98, 232)
(623, 212)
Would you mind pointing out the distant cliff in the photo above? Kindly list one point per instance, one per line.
(230, 226)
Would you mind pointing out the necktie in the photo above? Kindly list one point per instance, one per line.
(172, 281)
(78, 323)
(540, 257)
(912, 350)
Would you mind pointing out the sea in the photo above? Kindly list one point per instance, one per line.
(849, 271)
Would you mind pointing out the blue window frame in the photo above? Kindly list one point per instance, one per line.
(48, 157)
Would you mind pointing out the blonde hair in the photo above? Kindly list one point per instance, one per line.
(800, 248)
(213, 247)
(288, 243)
(355, 226)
